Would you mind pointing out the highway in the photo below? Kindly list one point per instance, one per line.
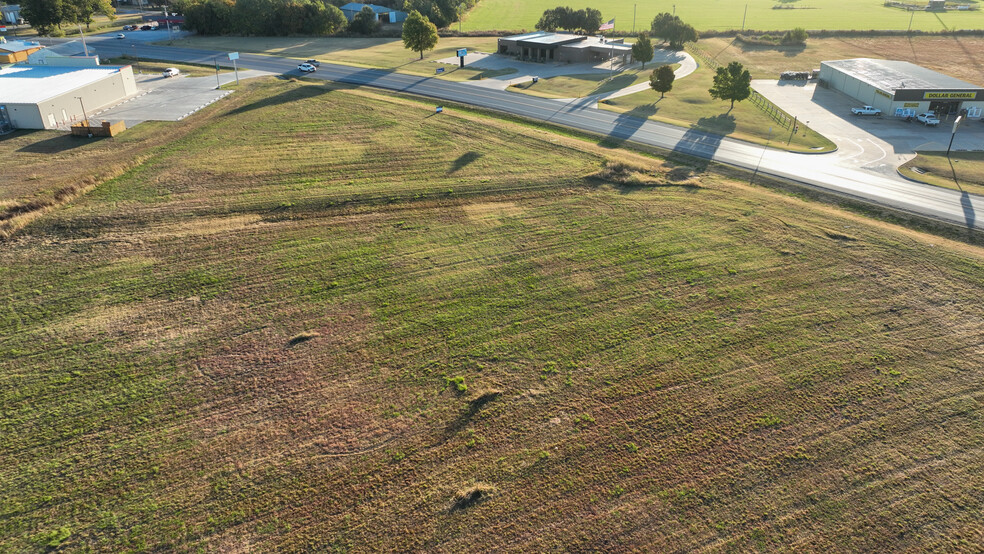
(819, 171)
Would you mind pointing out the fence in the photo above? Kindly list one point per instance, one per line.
(761, 102)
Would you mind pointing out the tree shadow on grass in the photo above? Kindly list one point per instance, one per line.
(464, 160)
(620, 82)
(62, 143)
(704, 138)
(721, 124)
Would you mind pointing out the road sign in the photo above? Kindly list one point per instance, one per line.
(233, 55)
(3, 28)
(462, 52)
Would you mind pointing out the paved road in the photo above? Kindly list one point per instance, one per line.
(950, 206)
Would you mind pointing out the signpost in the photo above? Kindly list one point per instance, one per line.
(233, 56)
(462, 52)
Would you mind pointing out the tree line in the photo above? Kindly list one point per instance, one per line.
(586, 21)
(48, 15)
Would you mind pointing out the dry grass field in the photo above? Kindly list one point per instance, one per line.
(960, 57)
(321, 319)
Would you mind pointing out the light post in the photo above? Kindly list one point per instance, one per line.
(953, 133)
(84, 47)
(137, 56)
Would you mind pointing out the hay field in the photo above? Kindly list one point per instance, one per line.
(322, 319)
(724, 15)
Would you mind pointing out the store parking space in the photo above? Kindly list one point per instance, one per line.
(880, 143)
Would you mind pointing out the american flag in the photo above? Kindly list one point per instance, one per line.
(607, 26)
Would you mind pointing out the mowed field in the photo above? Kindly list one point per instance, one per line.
(725, 15)
(323, 319)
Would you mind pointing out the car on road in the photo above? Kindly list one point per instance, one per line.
(306, 67)
(928, 119)
(315, 63)
(866, 110)
(171, 72)
(120, 36)
(147, 28)
(129, 27)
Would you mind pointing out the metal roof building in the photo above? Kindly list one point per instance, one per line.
(46, 96)
(383, 14)
(545, 46)
(13, 51)
(902, 88)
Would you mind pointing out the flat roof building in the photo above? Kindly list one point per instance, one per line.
(545, 46)
(14, 51)
(901, 88)
(46, 96)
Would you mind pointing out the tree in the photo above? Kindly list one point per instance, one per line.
(661, 80)
(43, 15)
(549, 21)
(642, 50)
(419, 34)
(672, 29)
(590, 20)
(796, 36)
(732, 83)
(364, 22)
(81, 11)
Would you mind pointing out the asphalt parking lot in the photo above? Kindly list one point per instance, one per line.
(880, 143)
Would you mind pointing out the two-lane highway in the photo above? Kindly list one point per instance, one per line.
(818, 171)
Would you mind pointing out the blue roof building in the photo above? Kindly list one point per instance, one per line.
(383, 14)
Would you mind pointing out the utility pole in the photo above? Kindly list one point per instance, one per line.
(137, 56)
(634, 6)
(217, 84)
(743, 18)
(84, 47)
(167, 20)
(88, 128)
(909, 30)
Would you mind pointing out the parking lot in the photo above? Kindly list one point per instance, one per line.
(880, 143)
(170, 99)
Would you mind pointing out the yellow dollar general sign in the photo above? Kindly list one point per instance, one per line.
(967, 95)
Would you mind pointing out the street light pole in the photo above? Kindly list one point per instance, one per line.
(84, 47)
(137, 56)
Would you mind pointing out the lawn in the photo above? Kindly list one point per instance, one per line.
(384, 53)
(388, 330)
(960, 57)
(576, 86)
(718, 15)
(690, 105)
(962, 171)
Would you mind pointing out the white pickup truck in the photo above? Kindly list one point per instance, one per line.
(928, 119)
(866, 110)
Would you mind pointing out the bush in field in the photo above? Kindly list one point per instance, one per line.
(796, 36)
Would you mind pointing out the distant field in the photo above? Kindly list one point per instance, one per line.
(723, 15)
(326, 320)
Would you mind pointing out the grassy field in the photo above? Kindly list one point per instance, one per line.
(963, 171)
(387, 330)
(718, 15)
(576, 86)
(689, 105)
(960, 57)
(385, 53)
(153, 66)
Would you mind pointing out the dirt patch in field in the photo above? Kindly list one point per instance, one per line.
(491, 212)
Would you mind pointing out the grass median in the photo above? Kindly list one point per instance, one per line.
(963, 171)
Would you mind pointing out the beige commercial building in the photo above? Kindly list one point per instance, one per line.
(47, 96)
(544, 46)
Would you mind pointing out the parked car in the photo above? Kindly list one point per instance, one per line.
(171, 72)
(315, 63)
(129, 28)
(928, 118)
(866, 110)
(147, 28)
(120, 36)
(307, 68)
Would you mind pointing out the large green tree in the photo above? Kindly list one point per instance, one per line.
(732, 83)
(43, 15)
(419, 34)
(661, 80)
(364, 22)
(82, 11)
(673, 30)
(642, 50)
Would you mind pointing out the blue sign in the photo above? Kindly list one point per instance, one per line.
(439, 109)
(462, 52)
(439, 70)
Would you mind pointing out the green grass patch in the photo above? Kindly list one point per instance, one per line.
(716, 15)
(155, 66)
(576, 86)
(962, 171)
(690, 105)
(282, 330)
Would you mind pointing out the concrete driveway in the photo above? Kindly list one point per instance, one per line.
(170, 99)
(879, 143)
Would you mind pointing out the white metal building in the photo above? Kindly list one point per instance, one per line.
(901, 88)
(46, 96)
